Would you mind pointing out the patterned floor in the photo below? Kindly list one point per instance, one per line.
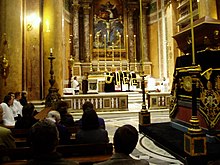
(145, 148)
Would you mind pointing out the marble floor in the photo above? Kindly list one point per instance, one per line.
(145, 148)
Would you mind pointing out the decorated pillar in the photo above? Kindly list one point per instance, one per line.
(86, 10)
(76, 30)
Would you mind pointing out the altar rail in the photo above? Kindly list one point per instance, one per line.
(101, 101)
(158, 100)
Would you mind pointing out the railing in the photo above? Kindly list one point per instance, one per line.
(101, 101)
(158, 100)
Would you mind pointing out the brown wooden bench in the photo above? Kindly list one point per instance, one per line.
(82, 153)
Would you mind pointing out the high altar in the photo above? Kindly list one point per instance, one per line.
(111, 41)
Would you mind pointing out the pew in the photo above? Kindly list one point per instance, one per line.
(85, 154)
(21, 135)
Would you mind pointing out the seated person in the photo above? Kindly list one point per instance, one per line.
(44, 138)
(125, 140)
(6, 139)
(87, 106)
(27, 119)
(66, 118)
(17, 105)
(90, 132)
(8, 117)
(64, 135)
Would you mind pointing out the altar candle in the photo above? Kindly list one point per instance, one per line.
(127, 46)
(51, 50)
(113, 52)
(105, 45)
(135, 47)
(90, 40)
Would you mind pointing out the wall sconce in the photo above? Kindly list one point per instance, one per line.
(32, 21)
(4, 64)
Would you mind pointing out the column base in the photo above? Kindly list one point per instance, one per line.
(144, 120)
(195, 144)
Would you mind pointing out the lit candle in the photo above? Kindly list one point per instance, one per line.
(90, 40)
(105, 45)
(120, 51)
(51, 50)
(127, 46)
(113, 56)
(135, 47)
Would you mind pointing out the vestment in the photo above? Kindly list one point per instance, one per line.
(75, 86)
(122, 159)
(7, 117)
(92, 136)
(51, 159)
(17, 108)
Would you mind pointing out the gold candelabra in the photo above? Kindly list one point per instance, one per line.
(113, 55)
(98, 52)
(120, 51)
(90, 41)
(4, 61)
(105, 51)
(135, 54)
(127, 52)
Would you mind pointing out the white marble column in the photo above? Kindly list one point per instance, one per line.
(76, 30)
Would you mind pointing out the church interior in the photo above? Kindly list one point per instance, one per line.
(143, 57)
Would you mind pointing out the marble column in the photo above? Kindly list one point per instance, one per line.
(86, 10)
(145, 39)
(207, 8)
(11, 26)
(130, 35)
(76, 30)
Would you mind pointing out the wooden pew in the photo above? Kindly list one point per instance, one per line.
(82, 153)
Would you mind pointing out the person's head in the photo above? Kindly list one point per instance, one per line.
(28, 110)
(75, 78)
(18, 95)
(90, 120)
(8, 99)
(125, 139)
(24, 94)
(62, 107)
(44, 137)
(54, 116)
(87, 106)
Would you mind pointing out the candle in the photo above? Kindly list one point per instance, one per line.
(120, 51)
(113, 53)
(105, 45)
(135, 47)
(90, 47)
(51, 50)
(127, 46)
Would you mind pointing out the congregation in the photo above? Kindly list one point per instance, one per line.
(45, 134)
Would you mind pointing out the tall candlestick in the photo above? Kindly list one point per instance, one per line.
(135, 53)
(90, 47)
(98, 53)
(113, 56)
(120, 51)
(105, 50)
(127, 52)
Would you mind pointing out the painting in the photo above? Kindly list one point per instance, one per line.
(108, 27)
